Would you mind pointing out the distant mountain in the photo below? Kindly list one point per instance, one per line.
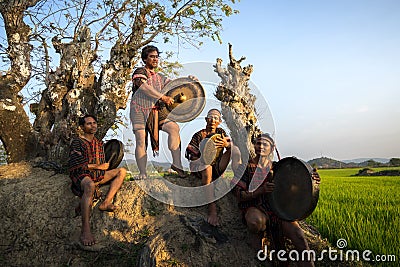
(360, 160)
(325, 163)
(164, 165)
(321, 163)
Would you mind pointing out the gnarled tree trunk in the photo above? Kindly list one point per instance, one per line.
(237, 103)
(15, 130)
(72, 90)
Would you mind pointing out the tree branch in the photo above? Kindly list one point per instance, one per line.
(77, 26)
(115, 14)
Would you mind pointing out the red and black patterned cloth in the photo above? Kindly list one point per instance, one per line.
(82, 153)
(142, 101)
(248, 173)
(145, 109)
(193, 152)
(193, 149)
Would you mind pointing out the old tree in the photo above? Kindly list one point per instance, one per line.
(76, 57)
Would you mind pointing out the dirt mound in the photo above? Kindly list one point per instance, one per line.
(39, 227)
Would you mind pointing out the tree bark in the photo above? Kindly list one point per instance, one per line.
(72, 90)
(16, 130)
(237, 103)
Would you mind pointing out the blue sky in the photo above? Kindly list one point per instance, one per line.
(329, 71)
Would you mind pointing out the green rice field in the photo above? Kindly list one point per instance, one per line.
(364, 210)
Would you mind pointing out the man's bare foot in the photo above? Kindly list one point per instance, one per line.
(213, 219)
(87, 239)
(212, 214)
(181, 172)
(110, 207)
(140, 176)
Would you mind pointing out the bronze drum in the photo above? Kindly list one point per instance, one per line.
(114, 152)
(295, 195)
(189, 99)
(209, 152)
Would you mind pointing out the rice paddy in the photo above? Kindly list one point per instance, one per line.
(363, 210)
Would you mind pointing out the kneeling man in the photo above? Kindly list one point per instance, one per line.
(256, 211)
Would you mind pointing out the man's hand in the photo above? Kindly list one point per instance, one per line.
(315, 176)
(103, 166)
(223, 142)
(194, 78)
(267, 187)
(167, 100)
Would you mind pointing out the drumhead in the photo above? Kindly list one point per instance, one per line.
(209, 152)
(114, 152)
(295, 195)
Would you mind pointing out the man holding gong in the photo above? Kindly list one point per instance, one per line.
(146, 115)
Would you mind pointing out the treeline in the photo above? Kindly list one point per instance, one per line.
(328, 163)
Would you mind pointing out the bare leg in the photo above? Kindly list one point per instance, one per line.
(256, 222)
(236, 158)
(87, 239)
(293, 231)
(116, 176)
(174, 141)
(233, 153)
(140, 152)
(206, 178)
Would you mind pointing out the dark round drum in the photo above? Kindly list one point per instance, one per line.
(295, 195)
(114, 152)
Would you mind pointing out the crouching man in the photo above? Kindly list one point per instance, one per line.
(211, 172)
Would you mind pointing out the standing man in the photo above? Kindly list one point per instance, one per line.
(145, 116)
(88, 170)
(208, 173)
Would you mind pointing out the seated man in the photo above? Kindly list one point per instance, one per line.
(256, 211)
(208, 173)
(87, 170)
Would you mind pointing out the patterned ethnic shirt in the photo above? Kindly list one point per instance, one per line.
(139, 99)
(193, 149)
(82, 152)
(250, 172)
